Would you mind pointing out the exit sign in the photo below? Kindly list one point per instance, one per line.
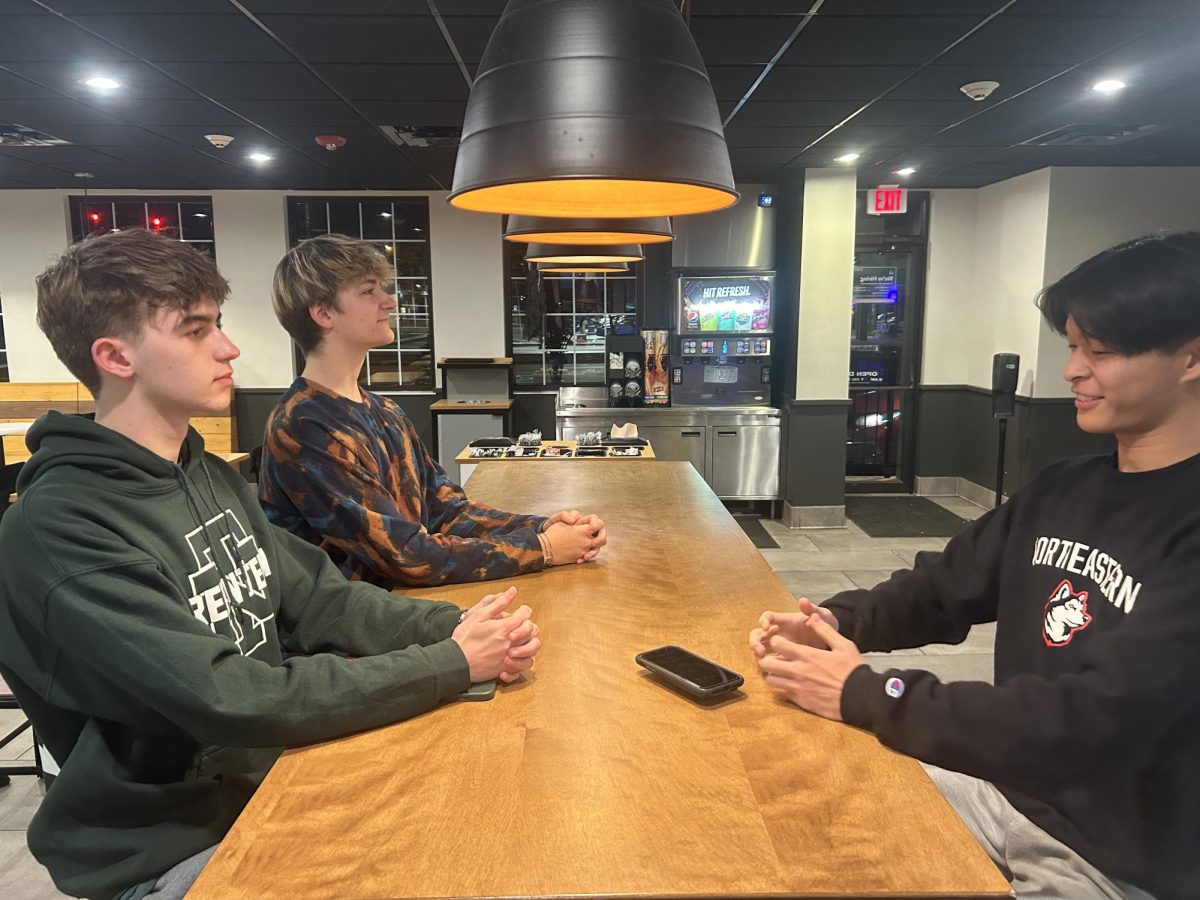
(887, 198)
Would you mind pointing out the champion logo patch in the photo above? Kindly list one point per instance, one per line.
(894, 688)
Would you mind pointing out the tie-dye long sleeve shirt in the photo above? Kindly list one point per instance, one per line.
(356, 479)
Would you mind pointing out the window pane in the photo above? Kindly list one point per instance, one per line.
(416, 370)
(343, 219)
(3, 343)
(3, 366)
(412, 260)
(130, 214)
(163, 218)
(410, 219)
(377, 221)
(306, 219)
(195, 224)
(622, 295)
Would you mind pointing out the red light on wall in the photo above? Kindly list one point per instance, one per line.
(95, 217)
(887, 199)
(156, 222)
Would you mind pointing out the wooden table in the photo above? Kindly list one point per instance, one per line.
(589, 779)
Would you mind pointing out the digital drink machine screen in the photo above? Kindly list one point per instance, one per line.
(728, 304)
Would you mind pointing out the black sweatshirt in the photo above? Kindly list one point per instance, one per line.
(1092, 729)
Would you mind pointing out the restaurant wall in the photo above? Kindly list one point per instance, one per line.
(251, 235)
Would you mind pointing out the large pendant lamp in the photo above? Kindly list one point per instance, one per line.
(583, 253)
(544, 230)
(582, 268)
(595, 108)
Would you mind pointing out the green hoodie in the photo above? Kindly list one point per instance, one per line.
(144, 610)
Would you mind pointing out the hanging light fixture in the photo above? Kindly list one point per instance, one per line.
(596, 108)
(583, 253)
(546, 230)
(581, 268)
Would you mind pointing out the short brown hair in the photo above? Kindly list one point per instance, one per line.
(312, 273)
(110, 285)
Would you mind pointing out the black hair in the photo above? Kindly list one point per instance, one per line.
(1135, 297)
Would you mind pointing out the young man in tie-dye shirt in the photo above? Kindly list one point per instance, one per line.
(345, 468)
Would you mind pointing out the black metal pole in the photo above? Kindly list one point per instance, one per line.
(1000, 459)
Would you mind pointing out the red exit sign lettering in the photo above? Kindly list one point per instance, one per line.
(886, 199)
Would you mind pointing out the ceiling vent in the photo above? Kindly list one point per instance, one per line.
(20, 136)
(1092, 135)
(423, 135)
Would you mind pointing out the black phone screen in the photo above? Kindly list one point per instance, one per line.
(690, 667)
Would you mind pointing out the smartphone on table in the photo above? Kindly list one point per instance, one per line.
(699, 677)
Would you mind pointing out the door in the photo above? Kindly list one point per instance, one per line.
(677, 442)
(888, 298)
(745, 461)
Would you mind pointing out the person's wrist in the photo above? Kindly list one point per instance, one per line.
(547, 551)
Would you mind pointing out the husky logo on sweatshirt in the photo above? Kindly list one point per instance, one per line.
(224, 588)
(1066, 613)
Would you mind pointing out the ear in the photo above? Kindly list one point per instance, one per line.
(1063, 592)
(1191, 369)
(112, 356)
(321, 315)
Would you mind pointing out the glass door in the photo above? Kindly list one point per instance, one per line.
(887, 299)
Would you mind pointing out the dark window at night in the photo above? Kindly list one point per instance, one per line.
(559, 322)
(3, 349)
(190, 219)
(399, 227)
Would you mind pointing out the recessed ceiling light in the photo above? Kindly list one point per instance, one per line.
(907, 170)
(1108, 86)
(846, 157)
(100, 83)
(200, 215)
(260, 157)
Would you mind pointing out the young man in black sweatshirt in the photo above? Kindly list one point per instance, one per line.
(146, 603)
(1079, 771)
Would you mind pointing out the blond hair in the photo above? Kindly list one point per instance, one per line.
(110, 285)
(312, 273)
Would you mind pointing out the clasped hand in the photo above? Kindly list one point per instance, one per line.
(803, 657)
(574, 537)
(497, 643)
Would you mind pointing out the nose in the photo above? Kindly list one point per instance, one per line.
(1075, 368)
(226, 349)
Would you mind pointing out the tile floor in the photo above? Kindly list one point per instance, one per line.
(812, 563)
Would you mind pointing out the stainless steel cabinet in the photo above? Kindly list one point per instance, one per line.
(683, 442)
(745, 461)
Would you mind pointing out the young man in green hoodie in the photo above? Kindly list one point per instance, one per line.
(146, 603)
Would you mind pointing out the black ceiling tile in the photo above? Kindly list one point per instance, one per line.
(760, 156)
(723, 9)
(13, 87)
(111, 136)
(876, 40)
(830, 82)
(412, 112)
(940, 82)
(470, 7)
(741, 135)
(46, 114)
(143, 7)
(33, 169)
(343, 8)
(741, 40)
(377, 81)
(909, 113)
(934, 182)
(1044, 40)
(183, 38)
(11, 183)
(471, 35)
(320, 114)
(382, 39)
(979, 134)
(202, 114)
(43, 37)
(251, 80)
(732, 82)
(1101, 7)
(804, 113)
(854, 136)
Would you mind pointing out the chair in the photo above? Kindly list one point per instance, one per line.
(8, 701)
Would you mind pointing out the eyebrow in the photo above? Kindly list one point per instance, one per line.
(197, 318)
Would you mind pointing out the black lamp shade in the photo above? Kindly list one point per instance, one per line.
(593, 108)
(545, 230)
(583, 253)
(581, 268)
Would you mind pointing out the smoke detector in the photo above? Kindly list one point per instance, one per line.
(979, 90)
(220, 141)
(330, 141)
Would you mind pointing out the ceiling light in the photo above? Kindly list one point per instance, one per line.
(907, 170)
(1108, 86)
(100, 83)
(545, 230)
(580, 268)
(385, 215)
(582, 253)
(260, 157)
(846, 157)
(200, 215)
(628, 128)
